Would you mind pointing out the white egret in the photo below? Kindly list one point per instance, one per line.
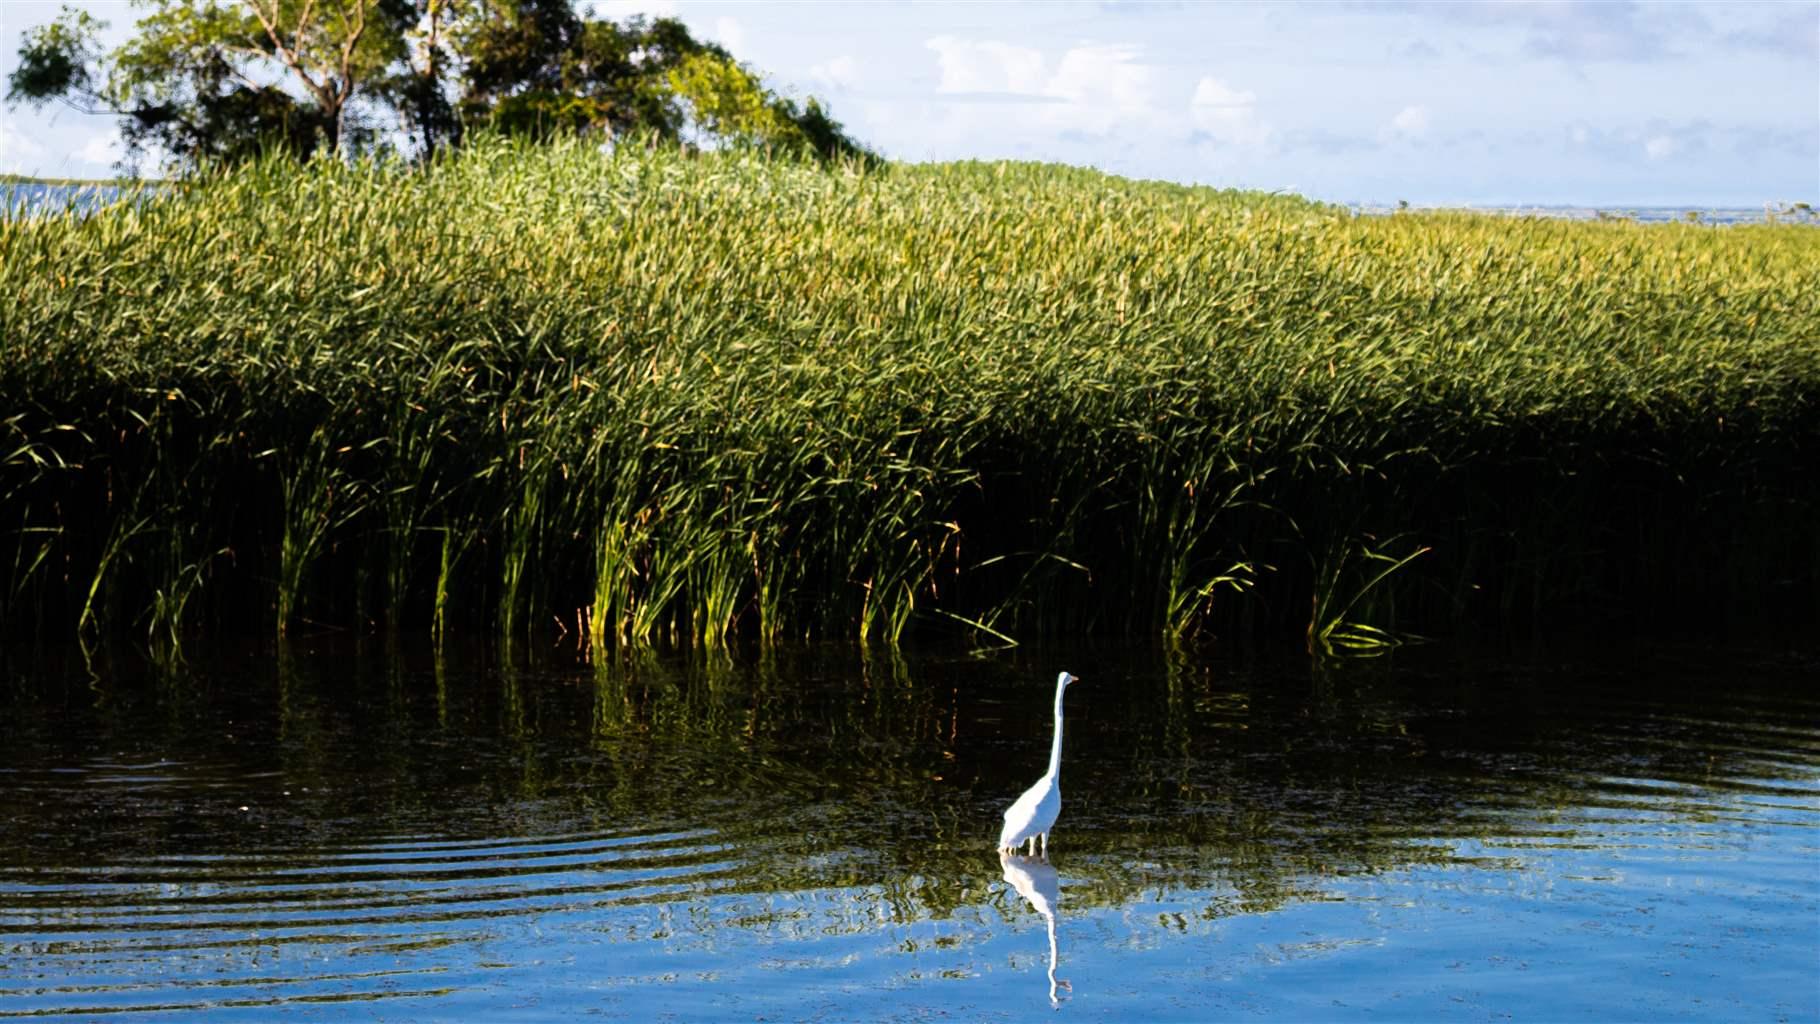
(1029, 819)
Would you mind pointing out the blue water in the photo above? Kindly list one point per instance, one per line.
(355, 833)
(35, 200)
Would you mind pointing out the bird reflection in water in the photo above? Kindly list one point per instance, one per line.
(1036, 881)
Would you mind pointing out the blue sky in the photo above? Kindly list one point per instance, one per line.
(1516, 101)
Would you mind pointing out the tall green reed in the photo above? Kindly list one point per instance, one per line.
(657, 397)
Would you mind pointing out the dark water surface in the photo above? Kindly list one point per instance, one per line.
(353, 834)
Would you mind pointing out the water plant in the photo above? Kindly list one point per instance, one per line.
(658, 397)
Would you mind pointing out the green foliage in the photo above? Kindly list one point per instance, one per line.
(695, 397)
(824, 135)
(729, 102)
(1335, 626)
(730, 105)
(205, 82)
(55, 60)
(535, 67)
(541, 114)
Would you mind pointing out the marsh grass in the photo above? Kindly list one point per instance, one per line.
(654, 398)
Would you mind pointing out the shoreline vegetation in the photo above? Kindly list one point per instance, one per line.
(25, 179)
(1767, 213)
(650, 397)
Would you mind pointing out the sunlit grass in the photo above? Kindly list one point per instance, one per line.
(646, 397)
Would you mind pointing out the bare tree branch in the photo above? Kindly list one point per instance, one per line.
(348, 45)
(288, 56)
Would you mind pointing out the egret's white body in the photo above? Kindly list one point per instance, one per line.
(1030, 818)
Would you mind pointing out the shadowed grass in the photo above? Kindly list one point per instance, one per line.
(661, 398)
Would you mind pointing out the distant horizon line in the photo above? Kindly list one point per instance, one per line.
(11, 178)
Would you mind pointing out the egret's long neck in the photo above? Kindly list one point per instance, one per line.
(1055, 750)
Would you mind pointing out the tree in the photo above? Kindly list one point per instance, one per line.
(56, 62)
(205, 81)
(729, 104)
(535, 67)
(419, 92)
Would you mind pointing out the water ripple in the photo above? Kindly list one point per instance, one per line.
(186, 932)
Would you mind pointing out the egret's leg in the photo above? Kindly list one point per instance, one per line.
(1045, 853)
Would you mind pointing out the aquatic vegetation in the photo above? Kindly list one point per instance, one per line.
(642, 396)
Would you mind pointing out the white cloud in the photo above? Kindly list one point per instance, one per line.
(102, 150)
(1685, 142)
(1794, 33)
(620, 10)
(17, 150)
(1227, 115)
(729, 33)
(836, 73)
(1104, 75)
(1410, 123)
(968, 66)
(1574, 30)
(1093, 89)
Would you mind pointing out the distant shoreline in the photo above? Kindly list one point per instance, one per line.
(1777, 213)
(26, 179)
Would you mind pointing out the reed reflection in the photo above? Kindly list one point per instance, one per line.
(1035, 879)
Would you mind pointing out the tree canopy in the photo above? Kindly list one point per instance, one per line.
(209, 81)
